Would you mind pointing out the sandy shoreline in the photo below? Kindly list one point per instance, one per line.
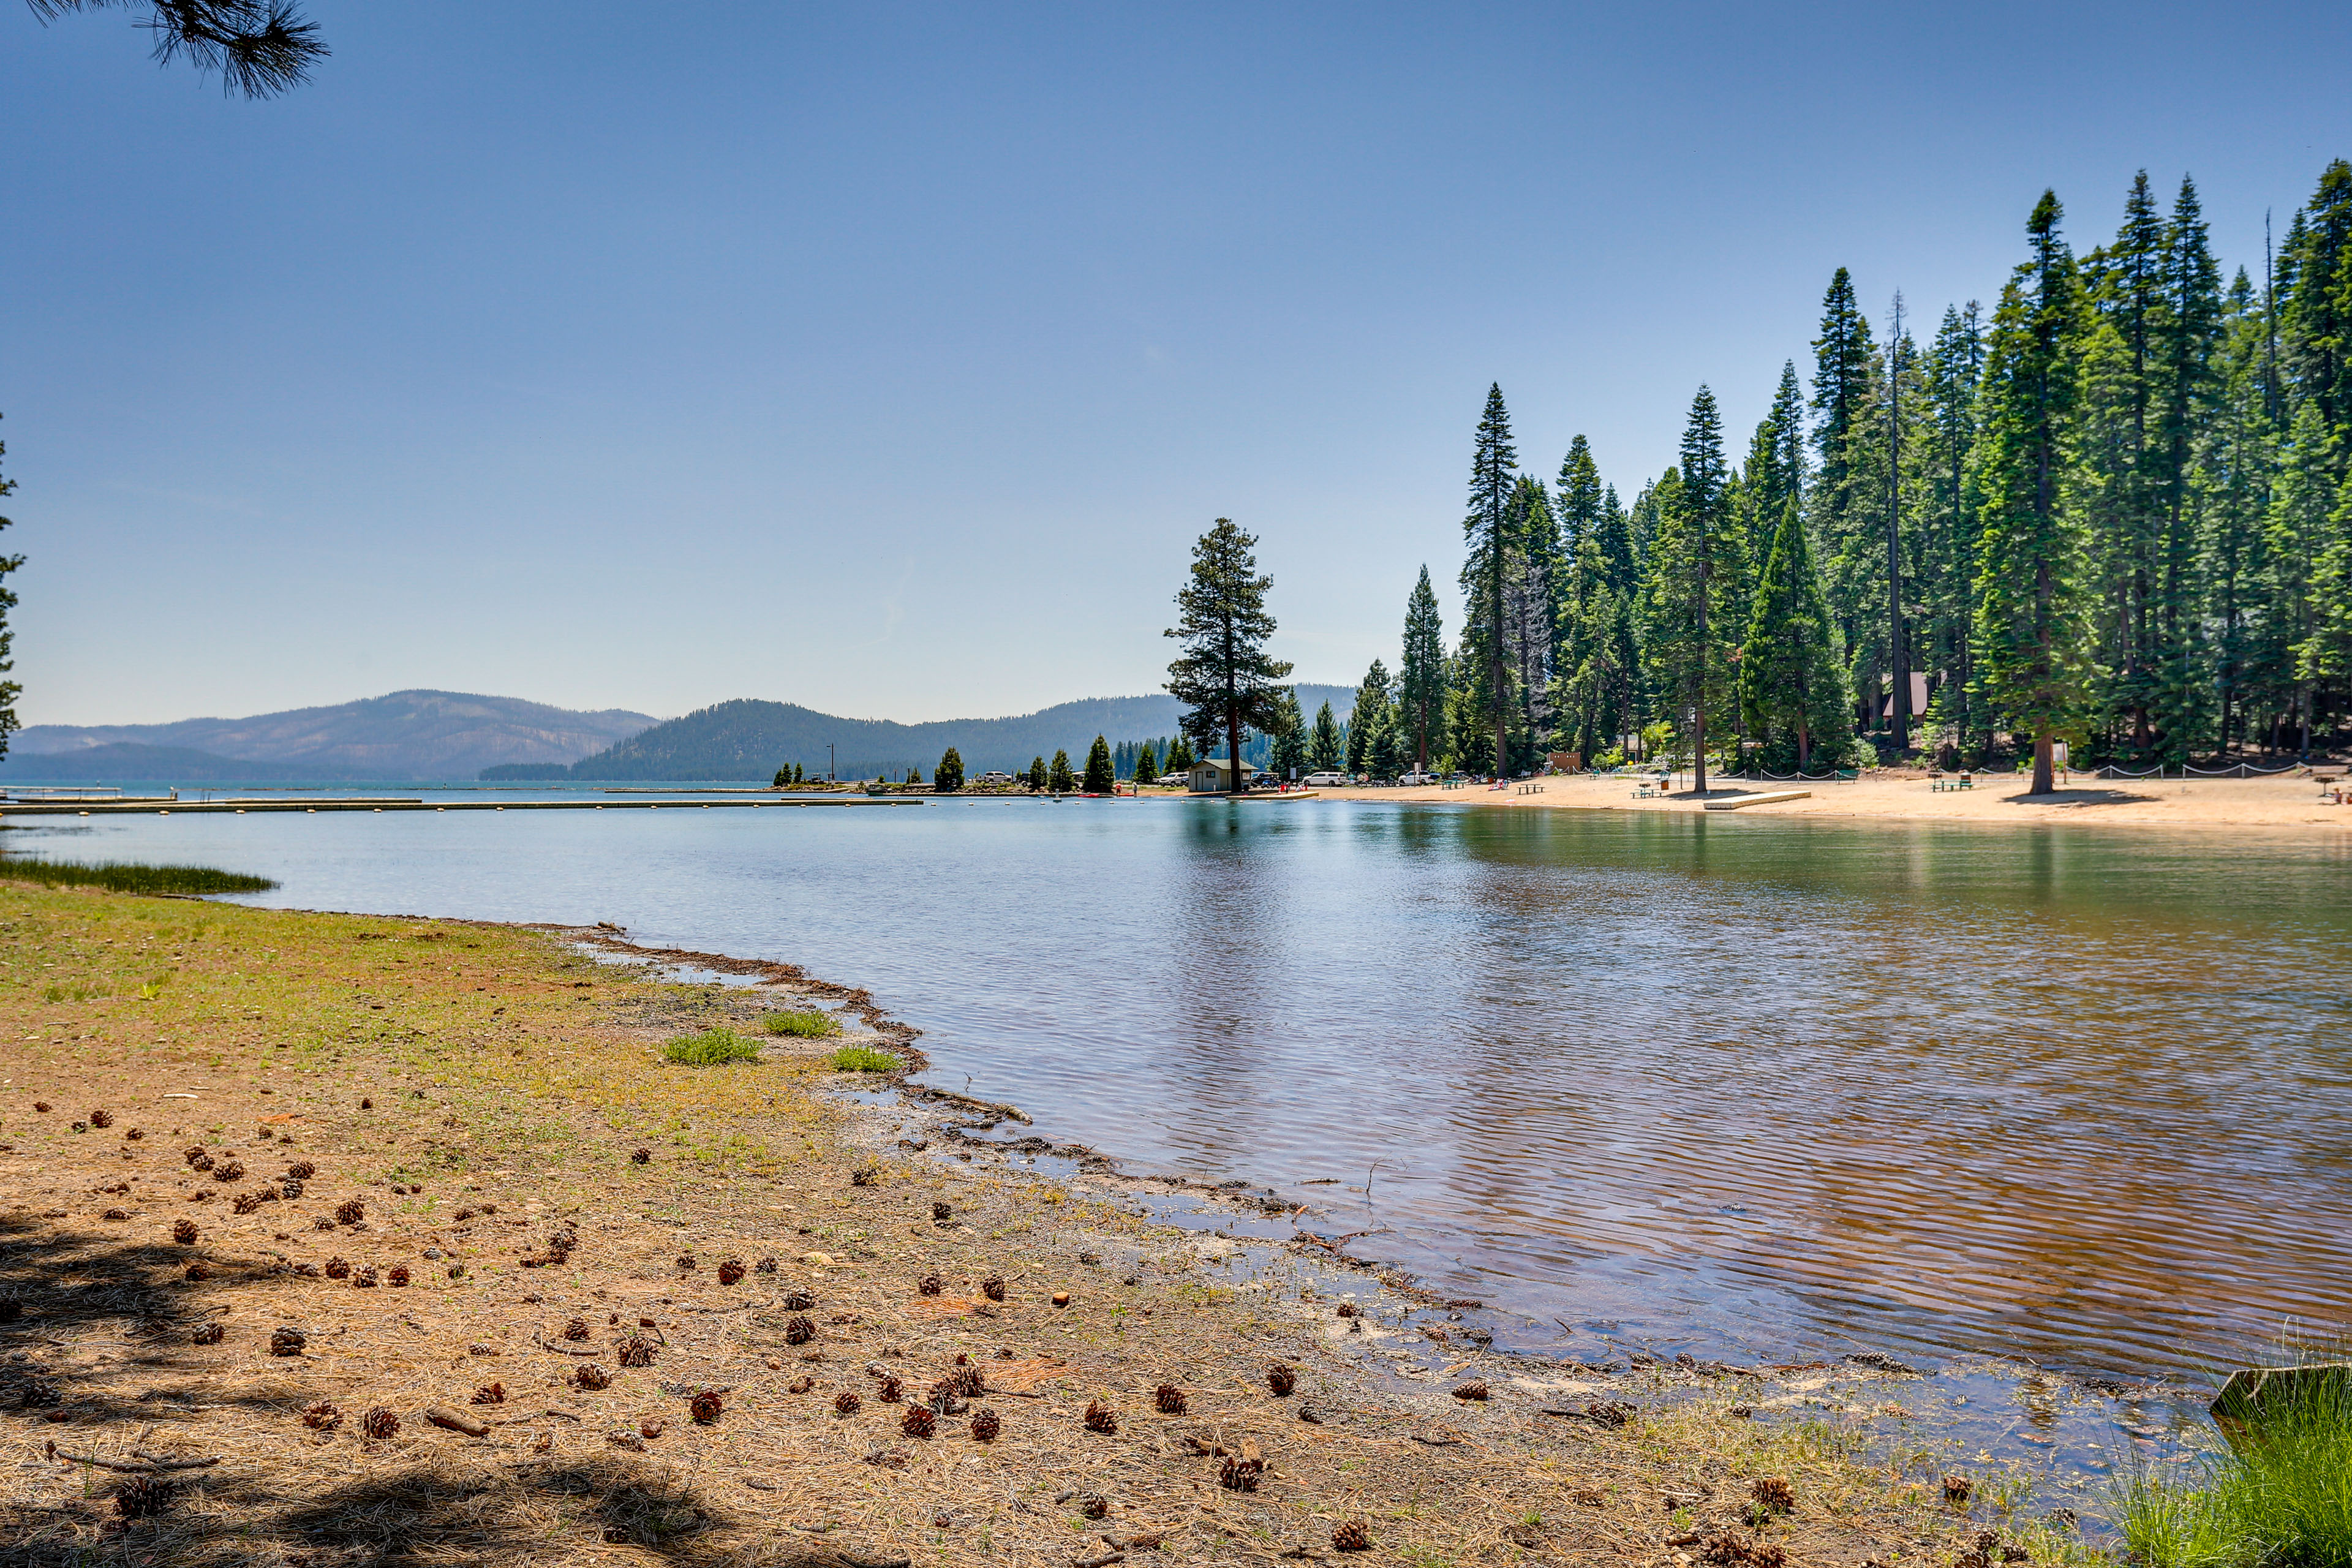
(2281, 802)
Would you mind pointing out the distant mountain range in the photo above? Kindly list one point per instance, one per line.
(749, 740)
(407, 735)
(420, 737)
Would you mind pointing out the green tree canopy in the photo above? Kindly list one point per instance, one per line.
(1147, 765)
(1224, 678)
(260, 48)
(949, 777)
(1792, 678)
(1058, 777)
(1100, 778)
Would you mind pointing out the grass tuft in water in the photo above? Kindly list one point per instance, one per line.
(712, 1048)
(864, 1058)
(2281, 1498)
(808, 1024)
(132, 877)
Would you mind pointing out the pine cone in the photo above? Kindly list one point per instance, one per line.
(322, 1223)
(1281, 1379)
(322, 1417)
(42, 1106)
(994, 1287)
(379, 1423)
(931, 1285)
(1474, 1389)
(766, 1266)
(636, 1351)
(891, 1389)
(399, 1274)
(291, 1187)
(1351, 1536)
(1347, 1308)
(1239, 1475)
(799, 1330)
(971, 1382)
(301, 1170)
(918, 1421)
(363, 1277)
(588, 1374)
(1169, 1399)
(198, 1272)
(490, 1394)
(985, 1426)
(1772, 1494)
(863, 1176)
(942, 1211)
(232, 1172)
(287, 1342)
(185, 1233)
(101, 1118)
(145, 1496)
(246, 1203)
(577, 1329)
(641, 1157)
(1094, 1506)
(197, 1159)
(802, 1384)
(706, 1407)
(685, 1261)
(941, 1397)
(1956, 1490)
(731, 1271)
(207, 1334)
(846, 1401)
(799, 1301)
(350, 1211)
(1101, 1417)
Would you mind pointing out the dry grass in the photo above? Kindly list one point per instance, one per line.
(481, 1092)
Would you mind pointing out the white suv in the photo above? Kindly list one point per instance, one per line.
(1325, 780)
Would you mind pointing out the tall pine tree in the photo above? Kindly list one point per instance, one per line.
(1421, 676)
(2030, 634)
(1692, 622)
(1224, 677)
(1488, 567)
(1792, 679)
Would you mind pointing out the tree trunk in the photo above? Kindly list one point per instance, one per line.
(2045, 778)
(1233, 747)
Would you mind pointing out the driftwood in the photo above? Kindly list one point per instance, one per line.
(1102, 1561)
(442, 1415)
(1011, 1112)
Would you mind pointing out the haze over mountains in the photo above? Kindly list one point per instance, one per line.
(425, 736)
(403, 735)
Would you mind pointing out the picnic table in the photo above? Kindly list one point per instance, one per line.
(1937, 782)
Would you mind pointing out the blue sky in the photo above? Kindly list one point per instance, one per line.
(887, 359)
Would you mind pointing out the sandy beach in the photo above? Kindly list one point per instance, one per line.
(2287, 801)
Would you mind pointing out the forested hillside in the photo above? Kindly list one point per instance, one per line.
(2111, 508)
(750, 740)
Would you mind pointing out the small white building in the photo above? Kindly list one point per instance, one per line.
(1213, 775)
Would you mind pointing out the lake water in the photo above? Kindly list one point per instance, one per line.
(1748, 1088)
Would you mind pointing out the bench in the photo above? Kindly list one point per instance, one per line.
(1938, 782)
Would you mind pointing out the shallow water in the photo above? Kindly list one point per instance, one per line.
(1751, 1089)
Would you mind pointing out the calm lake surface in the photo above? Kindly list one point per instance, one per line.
(1750, 1088)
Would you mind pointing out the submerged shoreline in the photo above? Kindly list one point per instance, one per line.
(461, 1088)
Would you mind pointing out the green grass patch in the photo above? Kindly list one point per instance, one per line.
(132, 877)
(864, 1058)
(2280, 1498)
(808, 1024)
(710, 1048)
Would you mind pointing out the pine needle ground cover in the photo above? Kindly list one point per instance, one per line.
(371, 1196)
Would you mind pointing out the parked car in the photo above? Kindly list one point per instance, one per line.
(1325, 780)
(1410, 781)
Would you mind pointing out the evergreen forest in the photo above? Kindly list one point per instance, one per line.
(2113, 511)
